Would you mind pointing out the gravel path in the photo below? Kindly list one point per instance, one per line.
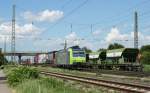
(3, 85)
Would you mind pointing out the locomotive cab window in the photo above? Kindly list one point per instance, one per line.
(78, 54)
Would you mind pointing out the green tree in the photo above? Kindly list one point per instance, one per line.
(145, 48)
(145, 51)
(3, 60)
(115, 46)
(145, 57)
(101, 49)
(87, 50)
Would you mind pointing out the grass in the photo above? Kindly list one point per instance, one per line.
(23, 81)
(53, 85)
(66, 71)
(75, 72)
(146, 68)
(45, 85)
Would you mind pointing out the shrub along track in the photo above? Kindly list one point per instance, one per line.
(129, 88)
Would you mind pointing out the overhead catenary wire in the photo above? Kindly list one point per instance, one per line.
(128, 12)
(62, 6)
(145, 1)
(71, 12)
(117, 20)
(71, 27)
(66, 3)
(121, 20)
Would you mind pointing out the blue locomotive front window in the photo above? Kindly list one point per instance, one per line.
(78, 54)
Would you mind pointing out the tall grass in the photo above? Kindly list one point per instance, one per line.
(67, 71)
(147, 68)
(45, 85)
(27, 80)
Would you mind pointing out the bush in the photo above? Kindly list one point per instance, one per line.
(146, 58)
(20, 74)
(2, 67)
(145, 48)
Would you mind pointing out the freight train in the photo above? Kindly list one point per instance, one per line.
(126, 59)
(70, 57)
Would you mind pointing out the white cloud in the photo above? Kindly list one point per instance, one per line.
(72, 39)
(140, 35)
(115, 34)
(21, 30)
(58, 43)
(71, 36)
(97, 32)
(46, 15)
(126, 39)
(148, 38)
(143, 39)
(1, 20)
(49, 45)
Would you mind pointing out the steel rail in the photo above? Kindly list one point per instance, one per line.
(109, 84)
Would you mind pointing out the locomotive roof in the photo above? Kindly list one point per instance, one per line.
(73, 47)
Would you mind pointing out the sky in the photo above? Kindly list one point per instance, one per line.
(44, 25)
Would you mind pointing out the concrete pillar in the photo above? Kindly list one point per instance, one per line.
(19, 59)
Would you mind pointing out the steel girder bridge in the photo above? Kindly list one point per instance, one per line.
(19, 54)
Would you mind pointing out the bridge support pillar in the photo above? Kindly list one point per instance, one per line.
(19, 59)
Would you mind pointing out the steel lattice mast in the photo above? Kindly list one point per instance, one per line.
(13, 35)
(136, 30)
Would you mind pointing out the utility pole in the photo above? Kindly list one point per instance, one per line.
(13, 35)
(65, 46)
(136, 30)
(71, 27)
(5, 44)
(91, 29)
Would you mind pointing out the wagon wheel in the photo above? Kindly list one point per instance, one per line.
(115, 67)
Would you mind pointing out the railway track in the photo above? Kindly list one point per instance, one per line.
(128, 88)
(112, 72)
(116, 72)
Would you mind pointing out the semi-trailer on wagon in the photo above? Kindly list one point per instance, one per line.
(117, 59)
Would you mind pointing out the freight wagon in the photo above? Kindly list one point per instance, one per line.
(40, 58)
(96, 57)
(125, 59)
(51, 57)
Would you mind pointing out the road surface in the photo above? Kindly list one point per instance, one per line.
(3, 85)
